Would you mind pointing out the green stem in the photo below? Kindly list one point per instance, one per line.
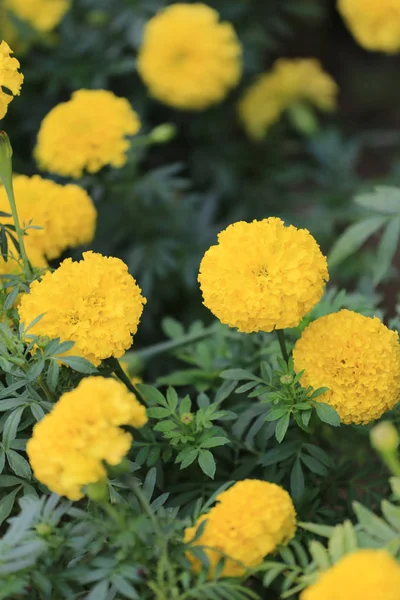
(170, 345)
(8, 185)
(119, 372)
(392, 462)
(282, 343)
(47, 392)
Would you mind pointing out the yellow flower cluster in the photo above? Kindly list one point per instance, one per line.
(87, 132)
(291, 81)
(42, 15)
(10, 78)
(361, 575)
(189, 59)
(262, 275)
(249, 521)
(374, 23)
(357, 358)
(69, 445)
(66, 214)
(95, 303)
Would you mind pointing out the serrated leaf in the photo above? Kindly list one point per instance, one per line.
(297, 481)
(158, 412)
(282, 427)
(207, 463)
(327, 414)
(320, 555)
(18, 464)
(11, 426)
(314, 465)
(214, 442)
(172, 398)
(384, 199)
(79, 364)
(239, 375)
(386, 250)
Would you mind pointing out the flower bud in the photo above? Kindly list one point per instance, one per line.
(303, 119)
(384, 437)
(186, 418)
(286, 379)
(163, 133)
(98, 492)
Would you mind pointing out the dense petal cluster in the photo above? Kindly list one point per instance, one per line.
(69, 445)
(95, 303)
(10, 78)
(249, 521)
(357, 358)
(361, 575)
(262, 275)
(43, 15)
(65, 213)
(88, 132)
(374, 23)
(291, 81)
(189, 59)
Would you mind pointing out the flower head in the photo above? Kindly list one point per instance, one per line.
(66, 214)
(357, 358)
(189, 59)
(290, 82)
(361, 575)
(42, 15)
(87, 132)
(69, 445)
(249, 521)
(10, 78)
(262, 275)
(94, 303)
(374, 23)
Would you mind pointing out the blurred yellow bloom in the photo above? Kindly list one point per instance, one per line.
(88, 132)
(10, 78)
(43, 15)
(189, 59)
(291, 82)
(374, 23)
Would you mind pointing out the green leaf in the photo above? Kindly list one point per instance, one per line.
(320, 555)
(11, 426)
(327, 414)
(18, 464)
(185, 406)
(158, 413)
(387, 249)
(188, 458)
(239, 374)
(151, 394)
(375, 526)
(353, 238)
(282, 427)
(172, 399)
(384, 199)
(207, 463)
(53, 374)
(79, 364)
(7, 503)
(215, 441)
(314, 466)
(297, 481)
(277, 413)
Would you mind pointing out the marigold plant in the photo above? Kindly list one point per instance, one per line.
(68, 446)
(248, 522)
(96, 124)
(262, 275)
(95, 303)
(360, 575)
(189, 59)
(374, 23)
(10, 77)
(357, 358)
(291, 81)
(66, 215)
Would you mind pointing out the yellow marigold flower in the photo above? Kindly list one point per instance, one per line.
(374, 23)
(291, 81)
(10, 78)
(361, 575)
(357, 358)
(68, 446)
(43, 15)
(66, 214)
(95, 124)
(262, 275)
(189, 59)
(249, 521)
(95, 303)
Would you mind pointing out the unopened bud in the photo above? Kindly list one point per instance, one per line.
(186, 418)
(97, 492)
(303, 119)
(43, 529)
(286, 379)
(163, 133)
(384, 437)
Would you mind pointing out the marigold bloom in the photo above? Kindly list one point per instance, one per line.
(66, 214)
(43, 15)
(249, 521)
(374, 23)
(357, 358)
(87, 132)
(189, 59)
(10, 78)
(95, 303)
(290, 82)
(68, 446)
(361, 575)
(262, 275)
